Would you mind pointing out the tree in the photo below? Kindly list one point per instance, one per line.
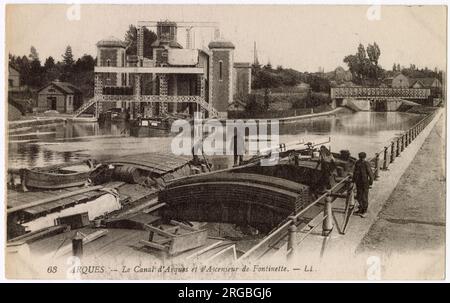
(49, 63)
(373, 52)
(84, 64)
(36, 72)
(23, 64)
(33, 54)
(364, 64)
(68, 57)
(131, 40)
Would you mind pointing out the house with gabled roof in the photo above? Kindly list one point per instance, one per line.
(63, 97)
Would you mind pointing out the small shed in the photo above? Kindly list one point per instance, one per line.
(13, 77)
(61, 96)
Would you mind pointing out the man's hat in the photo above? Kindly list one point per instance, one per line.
(362, 155)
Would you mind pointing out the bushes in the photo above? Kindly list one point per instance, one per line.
(312, 100)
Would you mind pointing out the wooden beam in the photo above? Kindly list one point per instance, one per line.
(154, 245)
(202, 251)
(39, 234)
(182, 225)
(87, 239)
(158, 231)
(52, 199)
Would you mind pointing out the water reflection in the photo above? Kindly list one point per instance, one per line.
(363, 131)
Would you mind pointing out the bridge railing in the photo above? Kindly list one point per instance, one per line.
(343, 189)
(380, 92)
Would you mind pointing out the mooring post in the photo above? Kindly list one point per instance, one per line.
(392, 152)
(377, 166)
(327, 225)
(291, 236)
(385, 160)
(77, 245)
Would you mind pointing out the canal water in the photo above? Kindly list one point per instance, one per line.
(362, 131)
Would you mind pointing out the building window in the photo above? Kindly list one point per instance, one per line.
(10, 82)
(220, 70)
(108, 62)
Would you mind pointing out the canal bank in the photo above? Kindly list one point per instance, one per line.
(336, 256)
(412, 221)
(344, 248)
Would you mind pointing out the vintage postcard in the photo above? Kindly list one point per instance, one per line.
(234, 142)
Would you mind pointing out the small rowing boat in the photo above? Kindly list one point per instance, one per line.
(55, 176)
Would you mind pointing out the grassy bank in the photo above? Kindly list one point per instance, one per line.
(279, 113)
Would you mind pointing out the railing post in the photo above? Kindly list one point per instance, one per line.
(77, 245)
(398, 148)
(385, 158)
(392, 152)
(327, 226)
(402, 143)
(377, 166)
(291, 237)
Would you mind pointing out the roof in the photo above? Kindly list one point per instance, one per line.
(426, 82)
(111, 42)
(12, 70)
(220, 44)
(166, 23)
(17, 104)
(64, 87)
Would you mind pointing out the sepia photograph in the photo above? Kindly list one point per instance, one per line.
(224, 142)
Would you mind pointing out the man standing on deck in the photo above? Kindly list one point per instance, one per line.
(363, 178)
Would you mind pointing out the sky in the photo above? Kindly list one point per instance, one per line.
(300, 37)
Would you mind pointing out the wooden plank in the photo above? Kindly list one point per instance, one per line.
(158, 231)
(188, 241)
(51, 199)
(154, 208)
(154, 245)
(220, 253)
(202, 251)
(87, 239)
(39, 234)
(185, 226)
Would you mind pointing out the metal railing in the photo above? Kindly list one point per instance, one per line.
(386, 155)
(382, 92)
(343, 189)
